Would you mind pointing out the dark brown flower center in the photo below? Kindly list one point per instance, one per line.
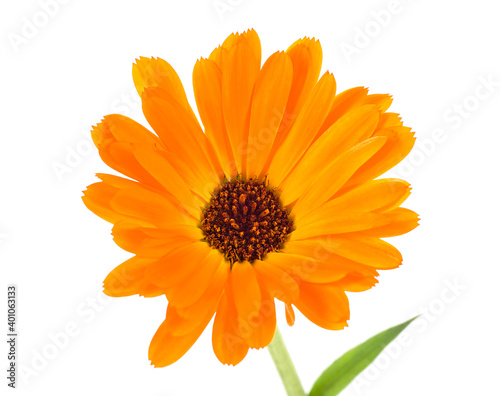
(245, 220)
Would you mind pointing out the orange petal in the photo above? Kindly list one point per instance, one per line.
(351, 271)
(354, 127)
(166, 348)
(341, 223)
(98, 196)
(206, 303)
(305, 268)
(325, 305)
(207, 84)
(303, 130)
(165, 174)
(177, 265)
(280, 284)
(318, 250)
(258, 332)
(229, 346)
(356, 282)
(115, 137)
(268, 105)
(218, 56)
(382, 101)
(401, 221)
(253, 40)
(193, 287)
(249, 37)
(138, 202)
(352, 99)
(153, 242)
(366, 250)
(330, 176)
(289, 314)
(306, 56)
(397, 147)
(149, 289)
(344, 102)
(389, 120)
(128, 279)
(151, 72)
(182, 135)
(246, 290)
(97, 199)
(381, 195)
(239, 74)
(120, 156)
(116, 127)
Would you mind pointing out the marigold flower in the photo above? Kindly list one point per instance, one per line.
(276, 198)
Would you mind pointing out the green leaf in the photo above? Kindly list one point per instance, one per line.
(348, 366)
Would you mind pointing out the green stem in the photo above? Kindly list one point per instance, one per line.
(285, 366)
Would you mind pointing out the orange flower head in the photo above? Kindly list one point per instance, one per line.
(278, 197)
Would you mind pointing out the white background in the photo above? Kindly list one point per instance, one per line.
(434, 57)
